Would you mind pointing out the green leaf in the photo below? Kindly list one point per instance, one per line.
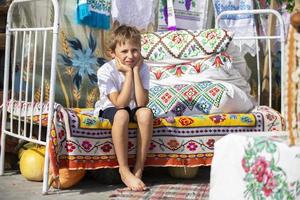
(259, 140)
(271, 147)
(248, 178)
(248, 152)
(260, 146)
(272, 164)
(279, 195)
(298, 188)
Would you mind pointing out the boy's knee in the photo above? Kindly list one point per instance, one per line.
(144, 111)
(144, 115)
(121, 115)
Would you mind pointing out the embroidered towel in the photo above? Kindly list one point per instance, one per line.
(94, 13)
(241, 25)
(257, 165)
(171, 16)
(189, 14)
(138, 13)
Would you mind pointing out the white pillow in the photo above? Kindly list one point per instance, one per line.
(204, 97)
(241, 72)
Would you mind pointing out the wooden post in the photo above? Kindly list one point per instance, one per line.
(291, 90)
(266, 75)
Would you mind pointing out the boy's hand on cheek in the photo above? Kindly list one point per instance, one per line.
(139, 64)
(121, 67)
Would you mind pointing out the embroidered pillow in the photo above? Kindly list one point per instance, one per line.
(211, 67)
(184, 44)
(205, 97)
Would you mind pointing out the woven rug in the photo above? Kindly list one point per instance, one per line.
(165, 191)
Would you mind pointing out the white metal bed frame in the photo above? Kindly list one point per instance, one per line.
(7, 129)
(280, 36)
(30, 32)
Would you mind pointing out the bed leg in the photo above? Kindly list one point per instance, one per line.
(2, 159)
(46, 167)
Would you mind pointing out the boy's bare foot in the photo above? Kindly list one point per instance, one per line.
(130, 180)
(138, 172)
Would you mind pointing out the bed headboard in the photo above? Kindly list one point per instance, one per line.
(266, 39)
(21, 55)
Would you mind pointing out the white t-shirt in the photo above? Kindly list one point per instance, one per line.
(111, 80)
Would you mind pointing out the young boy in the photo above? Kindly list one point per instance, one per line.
(123, 84)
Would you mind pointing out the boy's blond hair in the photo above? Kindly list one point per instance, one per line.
(124, 33)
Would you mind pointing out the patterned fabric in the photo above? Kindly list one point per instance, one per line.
(95, 13)
(165, 191)
(257, 166)
(80, 140)
(187, 99)
(184, 44)
(26, 110)
(189, 14)
(81, 51)
(292, 77)
(212, 66)
(243, 25)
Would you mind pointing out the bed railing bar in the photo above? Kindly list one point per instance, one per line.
(21, 83)
(33, 82)
(20, 132)
(13, 77)
(24, 138)
(5, 97)
(27, 81)
(43, 78)
(257, 11)
(282, 67)
(51, 93)
(31, 29)
(240, 45)
(256, 37)
(270, 72)
(21, 1)
(258, 72)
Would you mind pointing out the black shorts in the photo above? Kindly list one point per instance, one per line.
(109, 113)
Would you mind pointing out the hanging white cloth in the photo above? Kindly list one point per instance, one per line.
(138, 13)
(189, 14)
(241, 25)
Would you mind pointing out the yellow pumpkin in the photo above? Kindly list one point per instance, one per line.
(25, 147)
(32, 163)
(67, 178)
(183, 172)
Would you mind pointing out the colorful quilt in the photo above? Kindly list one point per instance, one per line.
(82, 141)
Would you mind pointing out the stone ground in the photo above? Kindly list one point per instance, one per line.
(94, 186)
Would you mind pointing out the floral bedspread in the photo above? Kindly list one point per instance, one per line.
(82, 141)
(256, 167)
